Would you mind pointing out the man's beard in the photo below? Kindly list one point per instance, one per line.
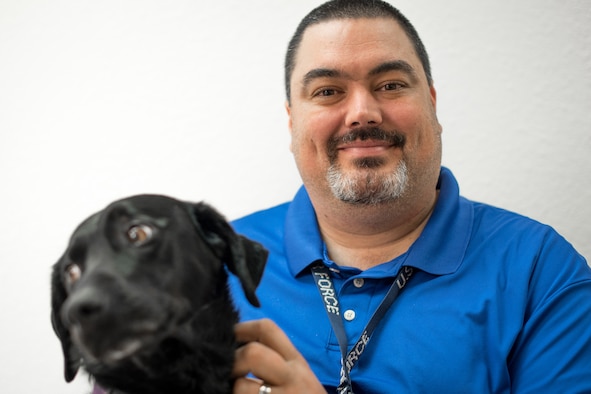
(366, 186)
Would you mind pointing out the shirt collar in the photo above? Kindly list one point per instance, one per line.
(303, 242)
(439, 250)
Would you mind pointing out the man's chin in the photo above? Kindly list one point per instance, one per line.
(368, 185)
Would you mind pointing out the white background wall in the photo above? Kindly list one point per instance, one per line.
(103, 99)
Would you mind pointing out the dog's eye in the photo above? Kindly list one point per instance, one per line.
(139, 234)
(73, 273)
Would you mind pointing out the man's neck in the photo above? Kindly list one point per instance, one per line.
(364, 237)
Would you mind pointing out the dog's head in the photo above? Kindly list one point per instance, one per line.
(139, 269)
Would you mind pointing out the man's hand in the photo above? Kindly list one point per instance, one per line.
(270, 356)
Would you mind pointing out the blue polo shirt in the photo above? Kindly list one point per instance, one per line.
(500, 303)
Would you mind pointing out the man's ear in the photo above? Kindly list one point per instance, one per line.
(289, 123)
(433, 98)
(433, 94)
(244, 258)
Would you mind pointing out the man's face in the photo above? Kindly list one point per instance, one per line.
(362, 114)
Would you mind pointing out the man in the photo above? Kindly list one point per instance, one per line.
(467, 298)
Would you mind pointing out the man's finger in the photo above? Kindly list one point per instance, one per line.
(266, 332)
(247, 385)
(261, 361)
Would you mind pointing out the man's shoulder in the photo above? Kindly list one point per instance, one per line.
(506, 229)
(264, 220)
(493, 217)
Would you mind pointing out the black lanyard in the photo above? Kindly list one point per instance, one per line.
(325, 285)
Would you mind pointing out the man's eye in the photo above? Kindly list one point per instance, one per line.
(392, 86)
(139, 234)
(325, 92)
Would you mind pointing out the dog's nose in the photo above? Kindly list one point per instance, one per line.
(85, 306)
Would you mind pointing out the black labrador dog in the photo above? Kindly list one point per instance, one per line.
(140, 298)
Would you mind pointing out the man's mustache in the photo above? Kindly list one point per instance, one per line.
(394, 138)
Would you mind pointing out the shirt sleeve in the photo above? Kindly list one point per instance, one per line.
(552, 354)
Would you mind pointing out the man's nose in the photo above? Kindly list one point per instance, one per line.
(363, 109)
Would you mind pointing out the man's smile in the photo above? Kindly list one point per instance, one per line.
(365, 142)
(365, 147)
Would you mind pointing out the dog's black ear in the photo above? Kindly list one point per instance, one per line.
(244, 258)
(72, 357)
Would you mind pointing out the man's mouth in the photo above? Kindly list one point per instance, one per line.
(365, 142)
(365, 145)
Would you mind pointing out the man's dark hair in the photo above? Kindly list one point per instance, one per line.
(352, 9)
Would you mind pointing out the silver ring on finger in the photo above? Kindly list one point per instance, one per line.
(264, 389)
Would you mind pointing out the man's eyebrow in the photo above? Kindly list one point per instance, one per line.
(395, 65)
(319, 73)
